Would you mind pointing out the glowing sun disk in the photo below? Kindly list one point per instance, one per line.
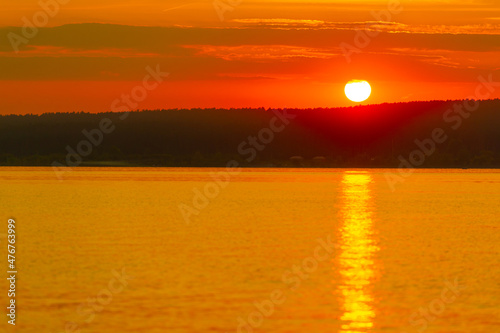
(357, 90)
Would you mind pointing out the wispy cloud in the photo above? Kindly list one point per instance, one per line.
(383, 26)
(183, 6)
(101, 51)
(61, 51)
(263, 53)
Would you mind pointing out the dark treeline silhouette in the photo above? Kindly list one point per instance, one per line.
(362, 136)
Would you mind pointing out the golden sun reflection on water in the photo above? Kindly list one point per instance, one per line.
(357, 252)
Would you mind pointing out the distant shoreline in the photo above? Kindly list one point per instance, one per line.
(123, 164)
(435, 134)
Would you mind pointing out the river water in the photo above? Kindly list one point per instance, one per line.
(262, 250)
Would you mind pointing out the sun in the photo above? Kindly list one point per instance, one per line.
(358, 90)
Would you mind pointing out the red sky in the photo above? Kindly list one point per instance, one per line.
(262, 53)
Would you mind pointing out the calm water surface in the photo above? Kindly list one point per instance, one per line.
(276, 250)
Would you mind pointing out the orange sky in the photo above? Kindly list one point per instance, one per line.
(86, 54)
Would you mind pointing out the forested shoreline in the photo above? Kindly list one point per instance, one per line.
(448, 134)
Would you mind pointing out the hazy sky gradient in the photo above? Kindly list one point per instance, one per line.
(271, 54)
